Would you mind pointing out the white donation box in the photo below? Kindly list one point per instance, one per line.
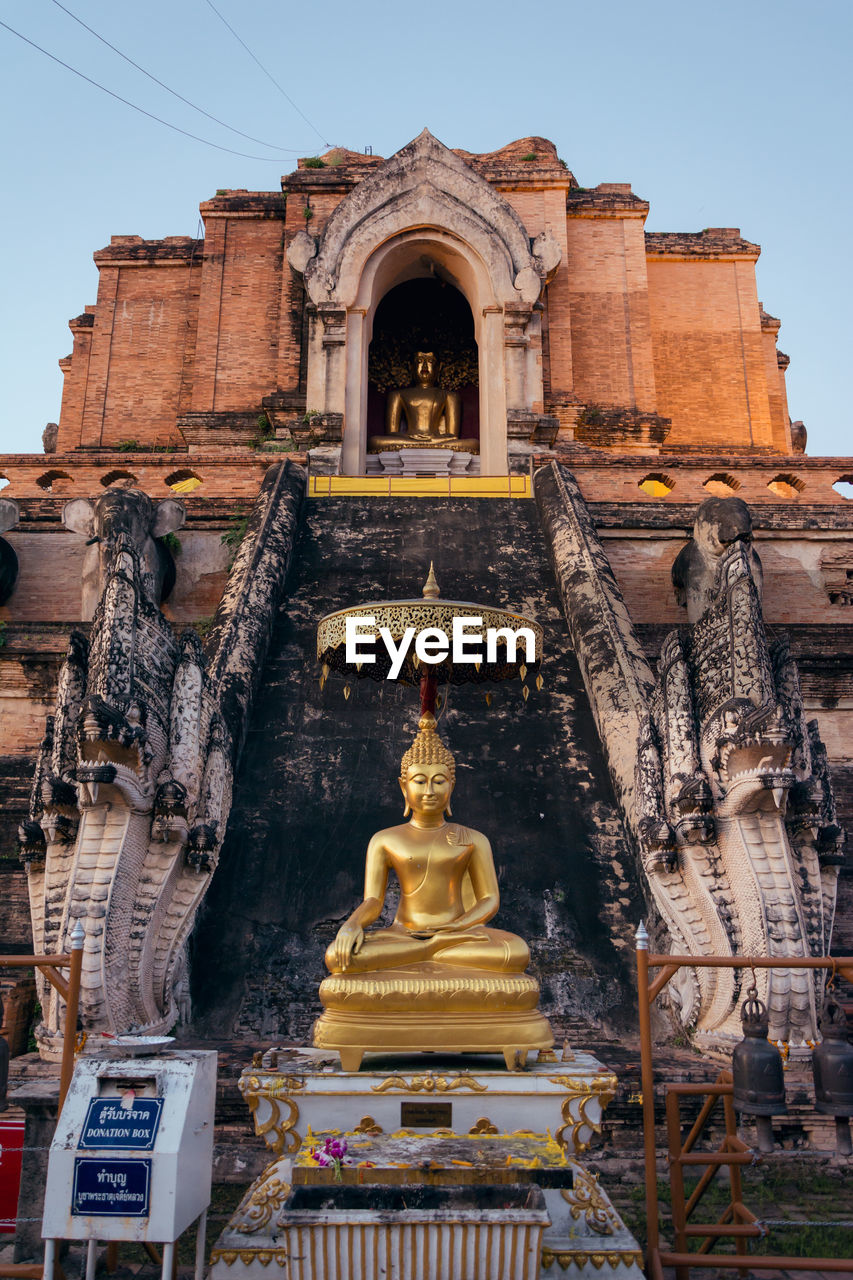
(133, 1150)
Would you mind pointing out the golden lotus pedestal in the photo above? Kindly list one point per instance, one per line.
(435, 1009)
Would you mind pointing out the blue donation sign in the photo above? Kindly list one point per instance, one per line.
(110, 1124)
(110, 1188)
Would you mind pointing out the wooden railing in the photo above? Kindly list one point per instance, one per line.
(69, 990)
(737, 1223)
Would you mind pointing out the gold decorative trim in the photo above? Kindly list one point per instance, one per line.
(248, 1256)
(261, 1201)
(428, 1084)
(601, 1089)
(483, 1125)
(280, 1085)
(287, 1139)
(369, 1126)
(376, 987)
(397, 615)
(587, 1198)
(580, 1257)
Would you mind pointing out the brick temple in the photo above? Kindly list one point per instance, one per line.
(635, 373)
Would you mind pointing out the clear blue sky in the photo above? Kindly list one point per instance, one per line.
(726, 114)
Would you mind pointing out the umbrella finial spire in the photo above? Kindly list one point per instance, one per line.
(431, 588)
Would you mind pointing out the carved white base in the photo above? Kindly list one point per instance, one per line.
(307, 1090)
(300, 1097)
(583, 1234)
(422, 462)
(587, 1237)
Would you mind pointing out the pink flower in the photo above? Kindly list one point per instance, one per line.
(333, 1153)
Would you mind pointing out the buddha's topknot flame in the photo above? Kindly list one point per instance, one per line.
(428, 748)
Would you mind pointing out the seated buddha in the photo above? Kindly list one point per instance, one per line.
(433, 416)
(438, 978)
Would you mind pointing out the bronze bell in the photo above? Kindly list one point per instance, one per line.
(832, 1066)
(757, 1074)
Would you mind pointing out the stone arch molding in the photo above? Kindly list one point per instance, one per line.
(425, 202)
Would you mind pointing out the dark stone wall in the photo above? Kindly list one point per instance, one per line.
(318, 777)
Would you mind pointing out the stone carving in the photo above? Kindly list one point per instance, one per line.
(424, 184)
(722, 783)
(131, 794)
(9, 516)
(132, 787)
(124, 514)
(737, 823)
(836, 573)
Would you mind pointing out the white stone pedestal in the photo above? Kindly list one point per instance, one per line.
(422, 462)
(413, 1121)
(307, 1090)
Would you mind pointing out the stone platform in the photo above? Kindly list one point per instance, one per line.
(454, 1161)
(294, 1092)
(422, 462)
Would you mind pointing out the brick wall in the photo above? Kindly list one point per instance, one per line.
(609, 319)
(709, 357)
(775, 364)
(665, 322)
(237, 345)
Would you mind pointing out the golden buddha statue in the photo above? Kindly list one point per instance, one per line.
(433, 416)
(437, 978)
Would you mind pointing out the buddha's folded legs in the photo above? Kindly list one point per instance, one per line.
(479, 948)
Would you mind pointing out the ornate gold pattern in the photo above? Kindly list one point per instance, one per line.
(520, 988)
(397, 615)
(248, 1256)
(587, 1198)
(600, 1088)
(280, 1086)
(260, 1202)
(368, 1125)
(483, 1125)
(287, 1139)
(580, 1257)
(428, 1084)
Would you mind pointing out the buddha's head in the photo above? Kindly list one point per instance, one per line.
(426, 368)
(427, 772)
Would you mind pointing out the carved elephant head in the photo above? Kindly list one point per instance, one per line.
(719, 524)
(116, 516)
(9, 516)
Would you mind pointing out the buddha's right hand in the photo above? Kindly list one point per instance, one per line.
(347, 944)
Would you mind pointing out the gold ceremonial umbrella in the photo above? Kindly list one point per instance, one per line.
(429, 611)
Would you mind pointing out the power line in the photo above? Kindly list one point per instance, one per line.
(173, 92)
(268, 75)
(119, 98)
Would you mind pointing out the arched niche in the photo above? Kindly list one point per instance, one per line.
(413, 255)
(426, 313)
(424, 210)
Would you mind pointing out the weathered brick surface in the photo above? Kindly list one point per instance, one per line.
(15, 782)
(666, 321)
(237, 344)
(223, 474)
(610, 336)
(708, 351)
(794, 591)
